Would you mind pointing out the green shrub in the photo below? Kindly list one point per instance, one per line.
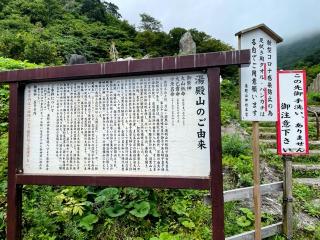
(11, 64)
(229, 90)
(241, 167)
(229, 111)
(313, 98)
(304, 193)
(240, 219)
(234, 145)
(303, 196)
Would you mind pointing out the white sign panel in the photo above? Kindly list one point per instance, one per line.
(149, 125)
(293, 118)
(258, 80)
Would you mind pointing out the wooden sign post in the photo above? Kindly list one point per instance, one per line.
(118, 124)
(287, 197)
(258, 95)
(292, 132)
(256, 179)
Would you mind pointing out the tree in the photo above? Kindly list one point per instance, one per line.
(94, 10)
(112, 9)
(175, 36)
(3, 3)
(153, 43)
(149, 23)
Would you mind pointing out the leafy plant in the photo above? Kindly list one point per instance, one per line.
(313, 98)
(229, 90)
(115, 211)
(246, 219)
(107, 194)
(234, 145)
(312, 209)
(229, 111)
(88, 221)
(241, 167)
(141, 209)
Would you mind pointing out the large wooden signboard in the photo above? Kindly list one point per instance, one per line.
(142, 123)
(292, 126)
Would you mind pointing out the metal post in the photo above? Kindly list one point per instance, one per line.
(287, 197)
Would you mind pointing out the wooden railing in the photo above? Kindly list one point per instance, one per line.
(315, 85)
(316, 112)
(247, 193)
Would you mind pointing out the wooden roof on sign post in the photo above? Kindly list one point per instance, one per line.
(264, 28)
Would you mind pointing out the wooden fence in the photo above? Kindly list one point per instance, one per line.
(246, 193)
(315, 85)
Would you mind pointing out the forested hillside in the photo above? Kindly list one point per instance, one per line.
(48, 31)
(302, 53)
(304, 49)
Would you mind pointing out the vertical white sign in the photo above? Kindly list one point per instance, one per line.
(292, 125)
(258, 80)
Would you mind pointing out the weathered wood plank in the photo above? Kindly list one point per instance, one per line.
(267, 231)
(201, 61)
(246, 193)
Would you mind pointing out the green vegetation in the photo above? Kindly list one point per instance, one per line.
(305, 50)
(306, 173)
(8, 64)
(304, 197)
(302, 53)
(240, 168)
(114, 213)
(234, 145)
(229, 110)
(313, 97)
(47, 32)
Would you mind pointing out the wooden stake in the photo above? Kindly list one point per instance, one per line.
(256, 180)
(287, 197)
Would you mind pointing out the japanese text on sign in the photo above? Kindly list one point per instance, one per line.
(292, 124)
(150, 125)
(258, 80)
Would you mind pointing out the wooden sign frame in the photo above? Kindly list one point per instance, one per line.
(209, 62)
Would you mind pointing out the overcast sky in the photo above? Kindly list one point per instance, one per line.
(223, 18)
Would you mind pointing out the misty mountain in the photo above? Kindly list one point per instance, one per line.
(303, 51)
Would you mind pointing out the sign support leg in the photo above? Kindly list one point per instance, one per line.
(256, 180)
(14, 196)
(216, 180)
(287, 197)
(14, 220)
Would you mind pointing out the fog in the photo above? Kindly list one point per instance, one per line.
(291, 19)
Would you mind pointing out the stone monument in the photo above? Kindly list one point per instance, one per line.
(187, 45)
(77, 59)
(114, 54)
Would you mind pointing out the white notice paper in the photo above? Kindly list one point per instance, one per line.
(258, 80)
(293, 118)
(149, 125)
